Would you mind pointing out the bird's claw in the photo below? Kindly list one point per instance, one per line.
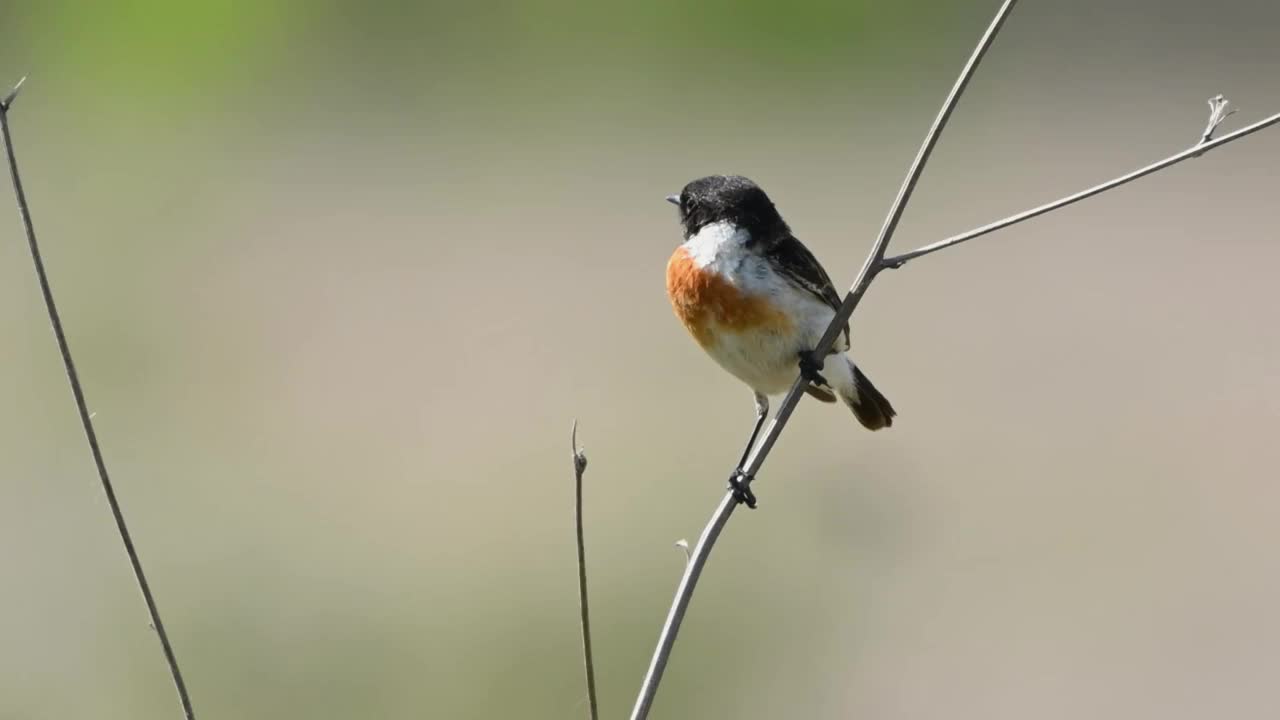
(738, 483)
(811, 369)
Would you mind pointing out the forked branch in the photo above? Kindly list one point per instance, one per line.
(875, 262)
(872, 265)
(1207, 143)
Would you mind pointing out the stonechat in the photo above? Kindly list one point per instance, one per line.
(757, 301)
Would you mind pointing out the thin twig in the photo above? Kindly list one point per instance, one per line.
(13, 94)
(1197, 150)
(872, 265)
(580, 467)
(82, 407)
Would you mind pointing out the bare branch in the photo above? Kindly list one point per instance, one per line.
(580, 467)
(1199, 149)
(872, 266)
(82, 407)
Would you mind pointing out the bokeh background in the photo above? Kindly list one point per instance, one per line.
(339, 275)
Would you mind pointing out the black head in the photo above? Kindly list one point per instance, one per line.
(727, 197)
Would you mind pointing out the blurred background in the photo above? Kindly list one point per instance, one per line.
(338, 276)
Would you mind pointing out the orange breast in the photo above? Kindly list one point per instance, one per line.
(707, 303)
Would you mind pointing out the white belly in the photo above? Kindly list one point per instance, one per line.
(767, 361)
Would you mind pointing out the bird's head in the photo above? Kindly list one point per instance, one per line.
(727, 198)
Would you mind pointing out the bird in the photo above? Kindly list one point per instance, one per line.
(758, 302)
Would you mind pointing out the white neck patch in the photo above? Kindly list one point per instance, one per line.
(720, 246)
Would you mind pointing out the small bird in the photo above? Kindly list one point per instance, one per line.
(758, 302)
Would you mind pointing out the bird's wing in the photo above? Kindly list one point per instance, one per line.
(794, 262)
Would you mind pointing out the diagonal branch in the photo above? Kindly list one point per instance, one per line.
(83, 408)
(1205, 145)
(580, 467)
(872, 266)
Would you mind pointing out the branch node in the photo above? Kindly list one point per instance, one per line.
(684, 545)
(579, 454)
(1217, 113)
(13, 95)
(579, 466)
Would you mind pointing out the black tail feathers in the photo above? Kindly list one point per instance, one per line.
(870, 406)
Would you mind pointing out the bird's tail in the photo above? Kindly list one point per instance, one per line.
(868, 404)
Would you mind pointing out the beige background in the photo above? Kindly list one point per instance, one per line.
(338, 280)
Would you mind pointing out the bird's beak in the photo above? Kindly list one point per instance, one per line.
(673, 199)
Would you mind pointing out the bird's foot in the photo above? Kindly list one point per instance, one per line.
(738, 483)
(811, 369)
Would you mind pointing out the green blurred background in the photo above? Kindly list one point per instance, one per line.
(339, 275)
